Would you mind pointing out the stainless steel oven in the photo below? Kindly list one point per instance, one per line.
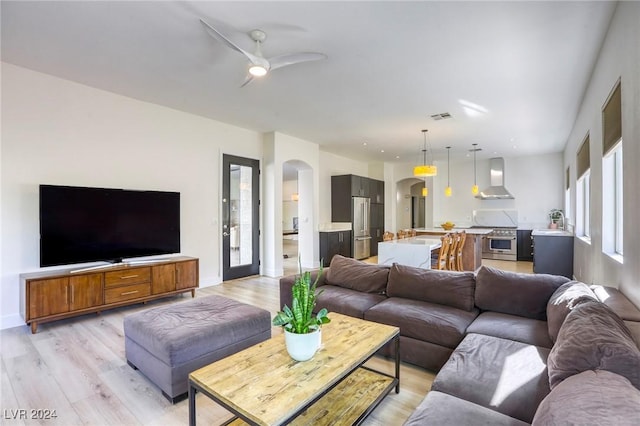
(501, 244)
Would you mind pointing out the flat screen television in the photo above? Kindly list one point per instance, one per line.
(79, 224)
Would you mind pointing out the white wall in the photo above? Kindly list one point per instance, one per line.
(619, 59)
(279, 149)
(59, 132)
(536, 182)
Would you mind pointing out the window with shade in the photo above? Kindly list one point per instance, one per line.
(612, 185)
(583, 189)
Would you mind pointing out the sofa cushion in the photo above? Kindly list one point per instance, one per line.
(512, 327)
(442, 409)
(355, 275)
(345, 301)
(593, 337)
(425, 321)
(515, 293)
(562, 301)
(617, 301)
(506, 376)
(591, 398)
(634, 328)
(450, 288)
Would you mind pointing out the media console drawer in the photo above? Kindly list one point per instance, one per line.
(127, 292)
(127, 276)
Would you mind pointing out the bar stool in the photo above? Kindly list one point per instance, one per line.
(453, 252)
(401, 234)
(463, 238)
(442, 261)
(387, 236)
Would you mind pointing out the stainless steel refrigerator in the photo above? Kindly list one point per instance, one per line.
(361, 230)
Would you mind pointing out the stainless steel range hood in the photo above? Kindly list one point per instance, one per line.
(497, 190)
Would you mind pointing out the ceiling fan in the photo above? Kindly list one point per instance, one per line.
(258, 64)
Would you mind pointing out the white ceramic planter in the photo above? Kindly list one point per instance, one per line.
(302, 347)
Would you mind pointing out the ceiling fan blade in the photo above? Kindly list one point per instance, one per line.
(247, 80)
(218, 36)
(295, 58)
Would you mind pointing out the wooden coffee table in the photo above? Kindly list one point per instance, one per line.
(262, 385)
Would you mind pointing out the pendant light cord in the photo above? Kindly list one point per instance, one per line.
(475, 174)
(448, 165)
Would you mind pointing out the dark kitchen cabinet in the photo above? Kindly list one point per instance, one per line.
(553, 254)
(332, 243)
(376, 237)
(377, 216)
(377, 226)
(376, 191)
(525, 245)
(344, 188)
(359, 186)
(341, 198)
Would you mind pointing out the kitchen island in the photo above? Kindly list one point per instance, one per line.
(472, 249)
(414, 251)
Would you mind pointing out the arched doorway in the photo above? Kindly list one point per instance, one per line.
(411, 205)
(297, 196)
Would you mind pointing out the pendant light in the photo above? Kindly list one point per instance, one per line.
(447, 190)
(474, 188)
(425, 170)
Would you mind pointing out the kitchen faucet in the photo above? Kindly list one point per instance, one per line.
(564, 225)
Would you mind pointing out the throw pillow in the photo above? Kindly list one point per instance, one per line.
(514, 293)
(591, 398)
(563, 301)
(448, 288)
(593, 337)
(356, 275)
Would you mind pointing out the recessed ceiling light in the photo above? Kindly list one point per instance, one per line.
(382, 150)
(364, 144)
(397, 157)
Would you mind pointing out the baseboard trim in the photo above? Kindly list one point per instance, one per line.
(273, 273)
(11, 321)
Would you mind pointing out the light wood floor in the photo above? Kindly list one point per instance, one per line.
(77, 367)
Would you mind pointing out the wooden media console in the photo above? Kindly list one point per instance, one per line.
(52, 295)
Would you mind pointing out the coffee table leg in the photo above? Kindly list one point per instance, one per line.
(398, 363)
(192, 405)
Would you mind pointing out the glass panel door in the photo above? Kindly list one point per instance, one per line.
(240, 217)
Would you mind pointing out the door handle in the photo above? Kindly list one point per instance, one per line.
(225, 234)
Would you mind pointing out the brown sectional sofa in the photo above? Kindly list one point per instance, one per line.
(488, 336)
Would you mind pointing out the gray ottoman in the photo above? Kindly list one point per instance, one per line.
(169, 342)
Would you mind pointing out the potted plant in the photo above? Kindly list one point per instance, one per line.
(301, 327)
(555, 215)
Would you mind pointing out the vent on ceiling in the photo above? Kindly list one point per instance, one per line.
(441, 116)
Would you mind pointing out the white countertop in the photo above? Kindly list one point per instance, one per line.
(551, 233)
(420, 240)
(334, 227)
(470, 231)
